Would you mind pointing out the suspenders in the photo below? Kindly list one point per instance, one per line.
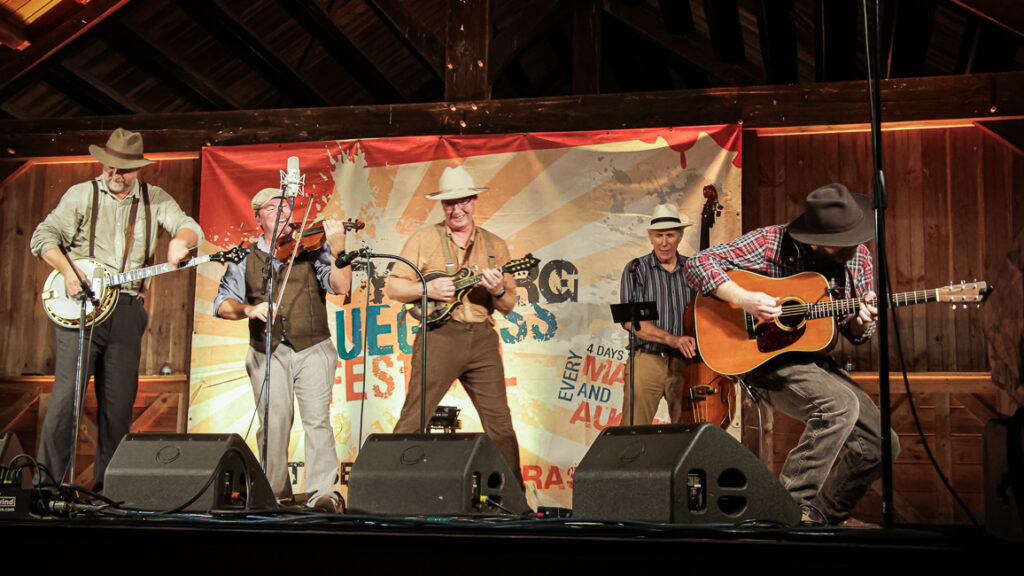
(130, 233)
(449, 263)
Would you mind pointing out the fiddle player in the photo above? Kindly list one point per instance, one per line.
(303, 358)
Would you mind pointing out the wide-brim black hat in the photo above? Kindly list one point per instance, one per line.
(834, 217)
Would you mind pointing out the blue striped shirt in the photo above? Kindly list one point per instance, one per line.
(668, 290)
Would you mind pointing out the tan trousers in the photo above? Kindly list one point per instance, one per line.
(656, 377)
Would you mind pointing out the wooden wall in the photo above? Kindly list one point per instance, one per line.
(26, 336)
(952, 216)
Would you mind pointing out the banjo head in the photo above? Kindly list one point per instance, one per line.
(65, 311)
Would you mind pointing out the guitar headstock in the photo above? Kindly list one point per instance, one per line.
(525, 263)
(964, 293)
(234, 255)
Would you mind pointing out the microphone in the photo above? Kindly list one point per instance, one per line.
(345, 258)
(292, 181)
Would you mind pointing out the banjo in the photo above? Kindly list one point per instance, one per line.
(106, 285)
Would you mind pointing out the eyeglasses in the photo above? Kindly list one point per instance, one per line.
(461, 202)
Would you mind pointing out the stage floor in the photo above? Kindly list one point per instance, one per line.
(201, 544)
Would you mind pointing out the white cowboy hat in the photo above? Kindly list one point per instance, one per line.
(666, 217)
(456, 182)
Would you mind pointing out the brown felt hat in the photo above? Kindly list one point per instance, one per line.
(835, 218)
(123, 151)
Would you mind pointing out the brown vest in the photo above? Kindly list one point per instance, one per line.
(303, 322)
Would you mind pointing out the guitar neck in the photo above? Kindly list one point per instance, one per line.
(849, 306)
(149, 272)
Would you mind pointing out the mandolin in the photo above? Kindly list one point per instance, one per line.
(465, 280)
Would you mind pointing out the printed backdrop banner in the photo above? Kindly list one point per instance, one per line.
(578, 201)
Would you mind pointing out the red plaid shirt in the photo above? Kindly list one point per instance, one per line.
(761, 251)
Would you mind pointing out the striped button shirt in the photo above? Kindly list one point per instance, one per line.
(769, 251)
(668, 290)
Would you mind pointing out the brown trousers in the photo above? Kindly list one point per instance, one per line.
(469, 352)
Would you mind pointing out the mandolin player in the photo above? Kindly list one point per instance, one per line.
(466, 346)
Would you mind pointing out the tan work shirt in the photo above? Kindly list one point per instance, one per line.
(69, 224)
(424, 249)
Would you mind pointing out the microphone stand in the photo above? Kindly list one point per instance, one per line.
(345, 259)
(634, 319)
(81, 371)
(268, 289)
(880, 203)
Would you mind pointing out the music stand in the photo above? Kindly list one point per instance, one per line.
(633, 312)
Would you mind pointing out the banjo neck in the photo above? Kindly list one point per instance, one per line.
(150, 271)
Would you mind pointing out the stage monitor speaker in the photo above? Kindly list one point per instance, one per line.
(682, 474)
(433, 475)
(1004, 477)
(9, 448)
(164, 472)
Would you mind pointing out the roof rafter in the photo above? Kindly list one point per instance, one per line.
(212, 15)
(90, 15)
(530, 24)
(423, 43)
(318, 24)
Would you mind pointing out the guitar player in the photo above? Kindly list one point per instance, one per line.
(114, 218)
(466, 346)
(827, 238)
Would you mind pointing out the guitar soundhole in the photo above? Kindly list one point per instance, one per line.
(792, 317)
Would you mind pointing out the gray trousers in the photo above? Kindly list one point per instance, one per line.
(114, 360)
(306, 376)
(837, 413)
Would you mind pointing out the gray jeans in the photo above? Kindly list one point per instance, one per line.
(837, 413)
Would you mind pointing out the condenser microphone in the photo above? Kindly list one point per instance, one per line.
(292, 181)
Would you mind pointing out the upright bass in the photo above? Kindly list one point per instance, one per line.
(708, 396)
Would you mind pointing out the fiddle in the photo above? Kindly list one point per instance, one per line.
(312, 238)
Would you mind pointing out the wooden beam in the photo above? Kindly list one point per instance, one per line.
(586, 48)
(944, 454)
(777, 33)
(677, 16)
(423, 43)
(539, 17)
(724, 28)
(467, 50)
(977, 407)
(164, 62)
(977, 96)
(912, 30)
(11, 35)
(152, 412)
(835, 36)
(311, 16)
(16, 409)
(97, 98)
(1002, 12)
(90, 15)
(246, 45)
(691, 47)
(933, 382)
(1009, 132)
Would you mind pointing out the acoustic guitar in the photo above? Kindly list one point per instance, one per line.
(733, 342)
(106, 285)
(464, 280)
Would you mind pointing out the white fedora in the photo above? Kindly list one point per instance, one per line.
(666, 217)
(456, 182)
